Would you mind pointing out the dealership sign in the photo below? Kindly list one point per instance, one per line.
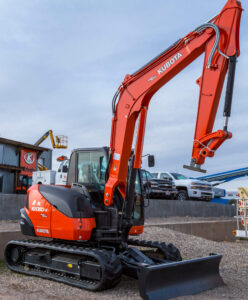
(29, 158)
(28, 161)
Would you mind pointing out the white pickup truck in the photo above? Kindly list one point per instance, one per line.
(188, 189)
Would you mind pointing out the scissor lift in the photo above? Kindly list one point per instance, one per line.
(242, 214)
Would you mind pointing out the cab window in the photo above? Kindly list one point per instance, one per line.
(60, 167)
(137, 185)
(179, 176)
(146, 175)
(165, 176)
(91, 167)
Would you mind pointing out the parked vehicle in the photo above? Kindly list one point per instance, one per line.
(218, 192)
(43, 177)
(188, 189)
(158, 188)
(52, 177)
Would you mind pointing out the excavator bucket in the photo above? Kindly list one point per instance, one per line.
(169, 280)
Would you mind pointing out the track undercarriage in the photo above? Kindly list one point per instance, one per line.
(156, 265)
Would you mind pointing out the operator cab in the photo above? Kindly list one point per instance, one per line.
(88, 167)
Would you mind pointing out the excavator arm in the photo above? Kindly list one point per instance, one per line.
(219, 39)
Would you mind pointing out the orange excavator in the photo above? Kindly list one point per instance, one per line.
(88, 226)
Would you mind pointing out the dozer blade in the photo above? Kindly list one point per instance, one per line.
(181, 278)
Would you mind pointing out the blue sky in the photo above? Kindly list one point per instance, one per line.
(62, 61)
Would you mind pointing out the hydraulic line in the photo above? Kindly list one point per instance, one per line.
(117, 93)
(229, 90)
(210, 58)
(216, 43)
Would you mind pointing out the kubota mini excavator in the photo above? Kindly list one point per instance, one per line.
(90, 223)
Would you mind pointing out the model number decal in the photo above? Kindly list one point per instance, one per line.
(42, 230)
(39, 209)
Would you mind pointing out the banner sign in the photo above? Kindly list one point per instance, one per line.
(28, 161)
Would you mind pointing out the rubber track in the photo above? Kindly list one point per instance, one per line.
(169, 250)
(110, 264)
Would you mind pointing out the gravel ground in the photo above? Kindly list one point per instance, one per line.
(169, 220)
(9, 225)
(234, 270)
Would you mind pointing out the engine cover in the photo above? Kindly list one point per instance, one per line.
(59, 212)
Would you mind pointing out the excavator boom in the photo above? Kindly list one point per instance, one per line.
(219, 39)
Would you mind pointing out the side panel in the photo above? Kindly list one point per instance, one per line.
(9, 155)
(39, 213)
(71, 228)
(136, 230)
(7, 181)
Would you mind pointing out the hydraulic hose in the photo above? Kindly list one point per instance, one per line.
(216, 43)
(114, 101)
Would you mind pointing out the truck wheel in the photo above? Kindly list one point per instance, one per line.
(182, 195)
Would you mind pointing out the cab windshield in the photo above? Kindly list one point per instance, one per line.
(146, 175)
(178, 176)
(91, 167)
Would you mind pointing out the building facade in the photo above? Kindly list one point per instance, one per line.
(17, 162)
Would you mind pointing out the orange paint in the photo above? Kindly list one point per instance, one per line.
(137, 90)
(49, 222)
(136, 230)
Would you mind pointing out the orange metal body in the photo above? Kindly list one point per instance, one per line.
(49, 222)
(137, 90)
(135, 230)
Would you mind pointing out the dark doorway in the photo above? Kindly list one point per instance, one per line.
(1, 184)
